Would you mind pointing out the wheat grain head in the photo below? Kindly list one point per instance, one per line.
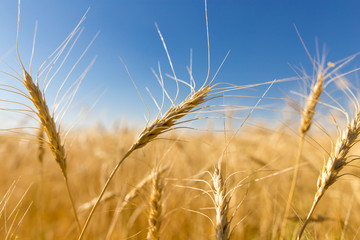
(154, 217)
(336, 162)
(222, 224)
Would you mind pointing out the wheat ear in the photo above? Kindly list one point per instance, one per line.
(46, 120)
(336, 162)
(49, 126)
(154, 217)
(130, 196)
(306, 120)
(222, 224)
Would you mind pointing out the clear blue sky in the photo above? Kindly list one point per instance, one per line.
(260, 35)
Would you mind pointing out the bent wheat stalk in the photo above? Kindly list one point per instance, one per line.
(166, 122)
(158, 127)
(336, 162)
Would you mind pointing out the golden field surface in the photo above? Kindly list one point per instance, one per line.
(257, 164)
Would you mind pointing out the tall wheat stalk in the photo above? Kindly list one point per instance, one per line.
(46, 119)
(165, 123)
(323, 77)
(52, 132)
(336, 162)
(306, 120)
(158, 127)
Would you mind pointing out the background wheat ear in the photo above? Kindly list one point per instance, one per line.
(155, 210)
(324, 75)
(306, 121)
(122, 203)
(221, 201)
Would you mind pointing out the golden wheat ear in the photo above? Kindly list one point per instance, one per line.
(337, 160)
(155, 211)
(122, 203)
(36, 95)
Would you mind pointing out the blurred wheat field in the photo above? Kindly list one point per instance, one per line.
(259, 159)
(205, 166)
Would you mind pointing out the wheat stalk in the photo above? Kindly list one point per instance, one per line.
(306, 120)
(36, 96)
(154, 218)
(49, 126)
(322, 75)
(164, 123)
(336, 162)
(159, 126)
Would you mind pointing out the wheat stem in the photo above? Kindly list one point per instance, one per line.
(306, 120)
(112, 174)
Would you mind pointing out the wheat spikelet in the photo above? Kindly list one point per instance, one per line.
(336, 162)
(154, 218)
(222, 224)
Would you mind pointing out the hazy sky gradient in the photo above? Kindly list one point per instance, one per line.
(260, 35)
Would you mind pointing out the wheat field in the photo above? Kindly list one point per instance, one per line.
(258, 160)
(200, 168)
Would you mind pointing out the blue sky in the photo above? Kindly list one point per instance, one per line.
(260, 35)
